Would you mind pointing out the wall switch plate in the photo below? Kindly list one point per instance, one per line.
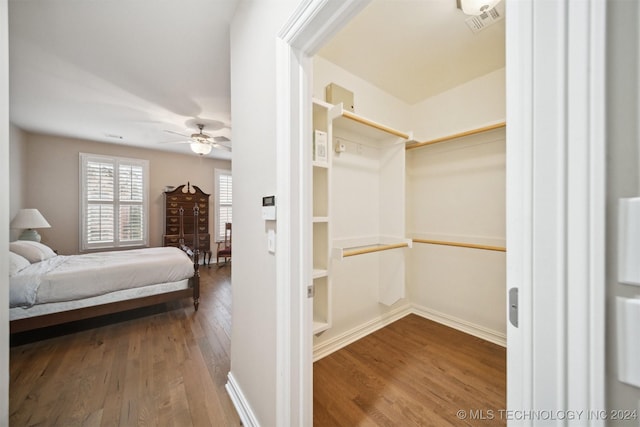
(629, 241)
(271, 241)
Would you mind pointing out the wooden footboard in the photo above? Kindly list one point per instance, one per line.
(29, 323)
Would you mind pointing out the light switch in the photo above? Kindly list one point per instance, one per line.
(629, 241)
(628, 337)
(271, 241)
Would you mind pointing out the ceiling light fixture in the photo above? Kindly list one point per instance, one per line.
(201, 148)
(476, 7)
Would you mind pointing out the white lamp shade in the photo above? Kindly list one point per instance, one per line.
(200, 148)
(477, 7)
(29, 218)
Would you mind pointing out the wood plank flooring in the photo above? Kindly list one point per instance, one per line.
(414, 372)
(162, 365)
(165, 365)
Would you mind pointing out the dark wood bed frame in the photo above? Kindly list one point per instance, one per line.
(35, 322)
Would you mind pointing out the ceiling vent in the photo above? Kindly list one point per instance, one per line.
(484, 20)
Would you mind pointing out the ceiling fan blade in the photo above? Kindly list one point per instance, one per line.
(176, 142)
(177, 133)
(221, 147)
(221, 139)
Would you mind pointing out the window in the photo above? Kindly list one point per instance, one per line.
(113, 209)
(223, 201)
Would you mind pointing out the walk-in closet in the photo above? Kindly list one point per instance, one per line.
(409, 174)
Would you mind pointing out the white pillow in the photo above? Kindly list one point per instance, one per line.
(33, 251)
(17, 263)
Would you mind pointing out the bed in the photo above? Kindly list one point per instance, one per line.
(48, 289)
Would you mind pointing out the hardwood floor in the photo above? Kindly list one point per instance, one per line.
(164, 365)
(414, 372)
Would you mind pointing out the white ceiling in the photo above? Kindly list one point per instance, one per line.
(127, 71)
(101, 70)
(414, 49)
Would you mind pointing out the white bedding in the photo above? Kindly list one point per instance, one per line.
(67, 278)
(16, 313)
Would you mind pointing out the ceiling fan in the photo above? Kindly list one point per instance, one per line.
(201, 143)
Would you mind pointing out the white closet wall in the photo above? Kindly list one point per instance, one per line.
(370, 101)
(456, 192)
(471, 105)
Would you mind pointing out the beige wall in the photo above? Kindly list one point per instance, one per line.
(4, 212)
(17, 174)
(52, 183)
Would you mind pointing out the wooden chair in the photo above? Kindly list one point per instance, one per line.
(224, 247)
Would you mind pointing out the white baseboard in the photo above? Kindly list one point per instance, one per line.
(334, 344)
(241, 404)
(461, 325)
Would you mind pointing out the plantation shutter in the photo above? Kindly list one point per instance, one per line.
(131, 215)
(100, 213)
(114, 202)
(224, 192)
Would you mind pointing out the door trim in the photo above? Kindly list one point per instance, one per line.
(310, 26)
(556, 206)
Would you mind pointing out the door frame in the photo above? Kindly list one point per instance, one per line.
(555, 204)
(310, 26)
(556, 207)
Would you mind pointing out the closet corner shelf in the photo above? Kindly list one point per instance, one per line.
(346, 120)
(487, 128)
(319, 273)
(368, 245)
(320, 164)
(319, 326)
(321, 103)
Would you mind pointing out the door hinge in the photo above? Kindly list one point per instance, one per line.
(310, 291)
(513, 306)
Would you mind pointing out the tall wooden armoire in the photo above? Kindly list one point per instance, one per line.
(187, 199)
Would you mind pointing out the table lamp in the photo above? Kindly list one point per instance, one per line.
(28, 219)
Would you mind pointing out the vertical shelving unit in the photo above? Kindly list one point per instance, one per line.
(368, 221)
(321, 223)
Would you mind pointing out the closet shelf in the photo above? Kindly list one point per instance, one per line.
(461, 244)
(320, 219)
(320, 164)
(456, 135)
(322, 104)
(319, 273)
(351, 122)
(320, 326)
(368, 245)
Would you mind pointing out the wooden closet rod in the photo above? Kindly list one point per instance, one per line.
(457, 135)
(374, 125)
(462, 245)
(353, 252)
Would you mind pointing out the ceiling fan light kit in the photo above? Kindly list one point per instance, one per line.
(201, 143)
(201, 148)
(476, 7)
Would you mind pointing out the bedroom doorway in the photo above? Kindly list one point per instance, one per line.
(316, 23)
